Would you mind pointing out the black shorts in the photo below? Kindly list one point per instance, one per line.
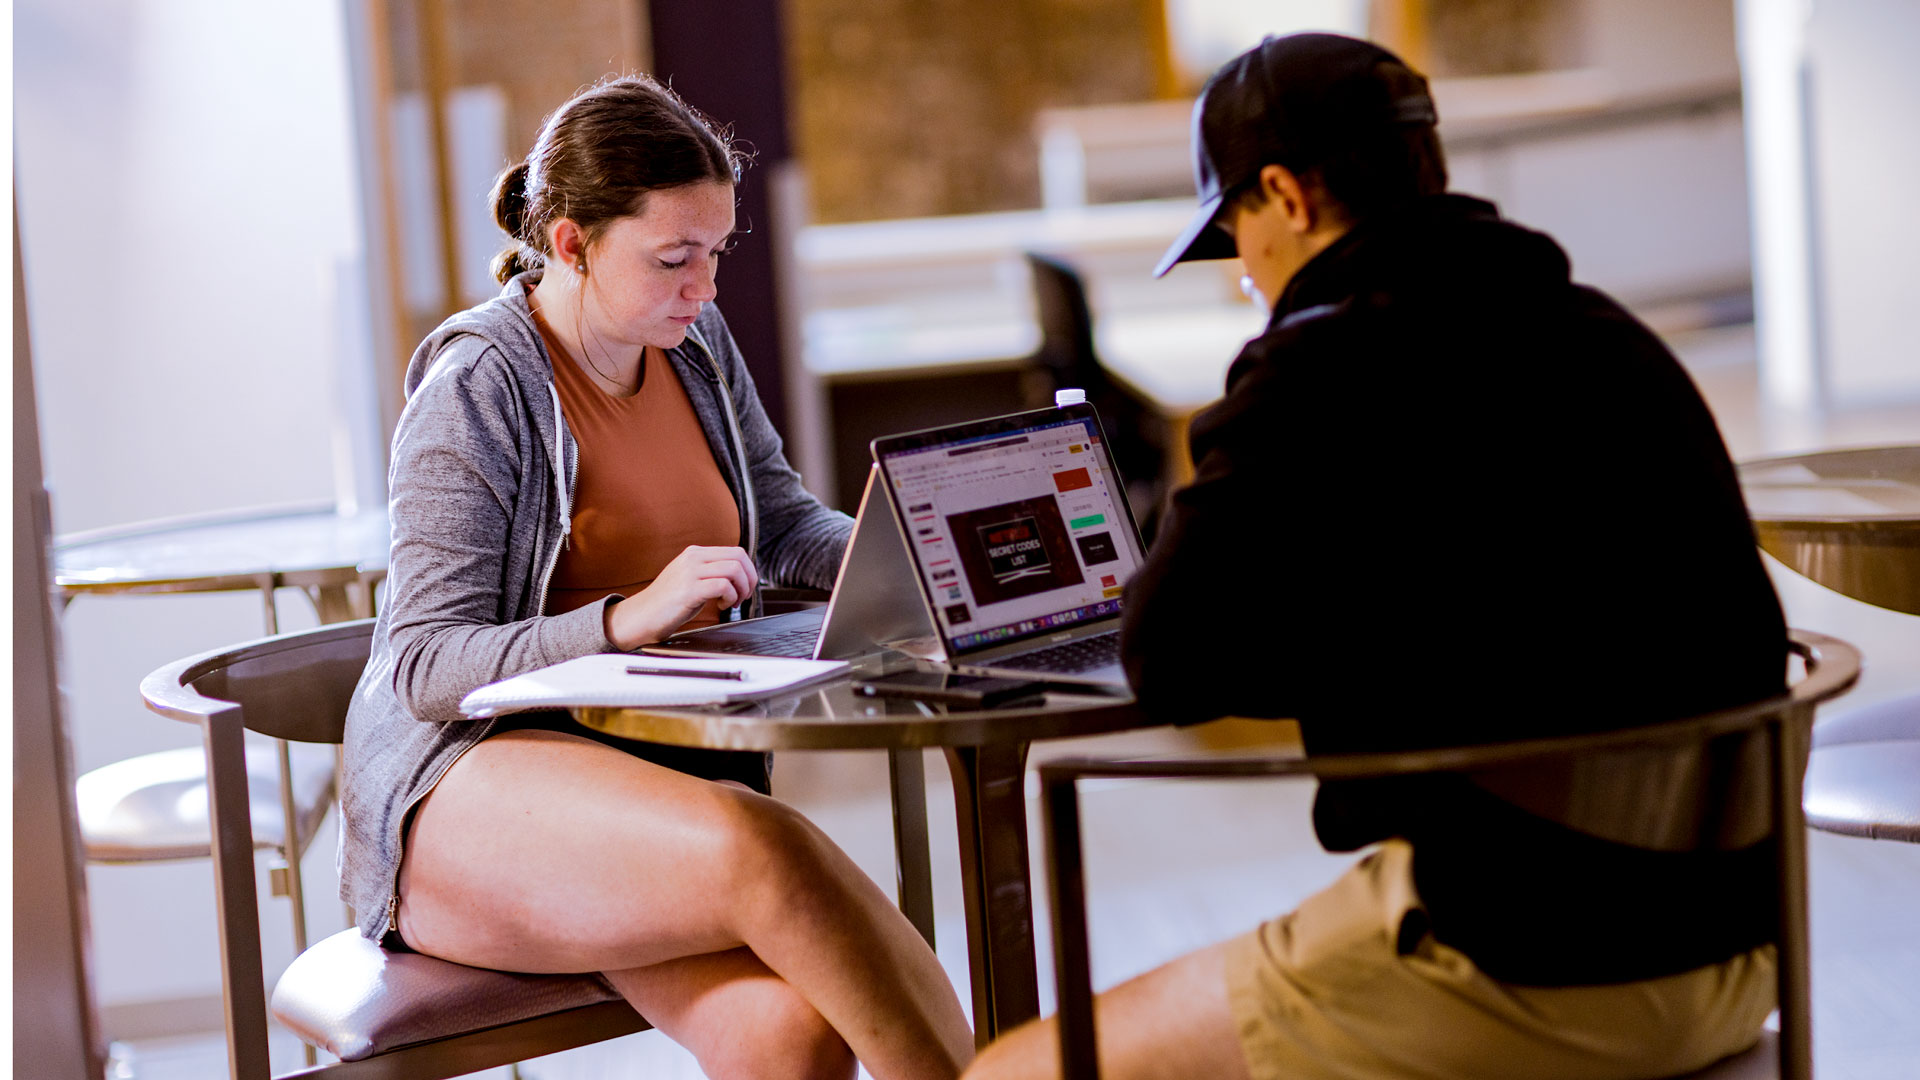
(753, 768)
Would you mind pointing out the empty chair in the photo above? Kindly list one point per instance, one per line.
(1864, 776)
(153, 808)
(1742, 768)
(384, 1014)
(1068, 356)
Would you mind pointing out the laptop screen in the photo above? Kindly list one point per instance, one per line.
(1018, 525)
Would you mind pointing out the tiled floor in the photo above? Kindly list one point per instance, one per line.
(1176, 865)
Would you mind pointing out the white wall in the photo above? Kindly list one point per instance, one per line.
(1865, 120)
(1650, 213)
(1652, 47)
(187, 204)
(1834, 153)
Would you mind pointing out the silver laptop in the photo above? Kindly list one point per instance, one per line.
(874, 605)
(1021, 541)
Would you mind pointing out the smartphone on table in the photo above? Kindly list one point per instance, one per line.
(950, 688)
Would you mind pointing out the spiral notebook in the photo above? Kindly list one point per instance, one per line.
(614, 680)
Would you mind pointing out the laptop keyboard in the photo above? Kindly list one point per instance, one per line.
(796, 643)
(1070, 657)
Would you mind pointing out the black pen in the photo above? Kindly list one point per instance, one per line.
(685, 673)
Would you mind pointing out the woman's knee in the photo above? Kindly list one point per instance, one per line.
(769, 848)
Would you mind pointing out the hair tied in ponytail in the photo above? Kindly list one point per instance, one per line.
(597, 157)
(510, 200)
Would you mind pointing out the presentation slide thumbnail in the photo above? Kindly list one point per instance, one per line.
(1014, 549)
(1096, 548)
(1072, 479)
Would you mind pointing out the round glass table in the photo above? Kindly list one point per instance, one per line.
(336, 559)
(1850, 520)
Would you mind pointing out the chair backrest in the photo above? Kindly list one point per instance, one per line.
(291, 686)
(294, 686)
(1759, 748)
(1710, 796)
(1066, 325)
(1068, 355)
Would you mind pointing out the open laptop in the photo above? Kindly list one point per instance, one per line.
(1021, 540)
(873, 605)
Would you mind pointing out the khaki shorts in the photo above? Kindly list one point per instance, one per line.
(1325, 992)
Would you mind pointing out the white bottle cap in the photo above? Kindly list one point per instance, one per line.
(1069, 396)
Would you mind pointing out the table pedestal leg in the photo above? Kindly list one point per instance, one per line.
(991, 802)
(269, 584)
(907, 777)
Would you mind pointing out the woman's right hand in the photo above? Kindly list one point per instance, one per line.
(695, 576)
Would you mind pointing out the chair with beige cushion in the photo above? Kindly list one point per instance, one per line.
(1864, 776)
(153, 807)
(1753, 757)
(385, 1015)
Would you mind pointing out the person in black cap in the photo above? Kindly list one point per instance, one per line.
(1450, 497)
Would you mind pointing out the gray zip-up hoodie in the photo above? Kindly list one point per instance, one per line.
(481, 484)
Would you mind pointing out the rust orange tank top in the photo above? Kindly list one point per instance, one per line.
(647, 485)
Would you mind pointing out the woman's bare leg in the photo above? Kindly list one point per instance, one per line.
(541, 851)
(738, 1018)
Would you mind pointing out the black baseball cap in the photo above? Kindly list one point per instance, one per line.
(1285, 97)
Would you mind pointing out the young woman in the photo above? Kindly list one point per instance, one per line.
(583, 466)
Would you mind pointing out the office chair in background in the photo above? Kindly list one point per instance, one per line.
(1068, 357)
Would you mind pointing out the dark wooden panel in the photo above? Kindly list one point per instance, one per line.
(727, 60)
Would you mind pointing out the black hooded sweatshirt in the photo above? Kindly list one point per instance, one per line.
(1452, 497)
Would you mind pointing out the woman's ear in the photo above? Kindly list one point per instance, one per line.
(1296, 205)
(569, 244)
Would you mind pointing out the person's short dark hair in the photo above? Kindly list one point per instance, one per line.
(1378, 169)
(1349, 118)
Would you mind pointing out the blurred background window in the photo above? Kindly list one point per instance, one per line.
(1207, 33)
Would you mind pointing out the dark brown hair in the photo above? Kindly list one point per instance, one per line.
(596, 159)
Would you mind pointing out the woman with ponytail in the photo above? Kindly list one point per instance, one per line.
(583, 466)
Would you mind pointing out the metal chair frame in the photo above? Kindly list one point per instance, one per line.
(296, 687)
(336, 594)
(1832, 667)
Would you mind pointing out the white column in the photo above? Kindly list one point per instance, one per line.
(1774, 80)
